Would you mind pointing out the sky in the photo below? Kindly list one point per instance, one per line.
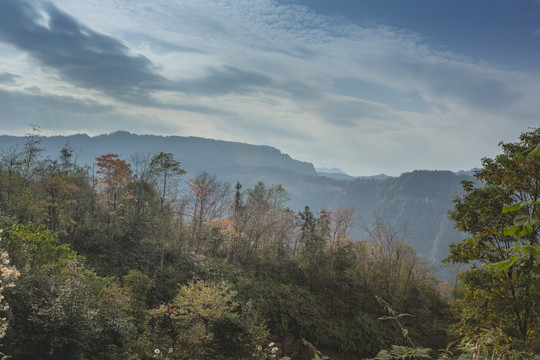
(367, 86)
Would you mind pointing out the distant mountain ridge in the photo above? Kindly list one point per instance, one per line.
(330, 171)
(194, 153)
(339, 174)
(419, 198)
(467, 172)
(334, 173)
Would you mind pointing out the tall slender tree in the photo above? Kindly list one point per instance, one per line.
(165, 167)
(114, 174)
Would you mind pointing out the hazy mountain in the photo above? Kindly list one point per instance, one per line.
(330, 171)
(339, 174)
(375, 177)
(467, 172)
(420, 199)
(334, 173)
(195, 154)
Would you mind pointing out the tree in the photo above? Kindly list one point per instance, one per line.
(30, 154)
(502, 297)
(61, 310)
(114, 174)
(342, 222)
(206, 322)
(66, 154)
(8, 275)
(312, 243)
(10, 178)
(392, 265)
(57, 194)
(164, 166)
(144, 207)
(18, 169)
(61, 194)
(264, 220)
(209, 200)
(238, 202)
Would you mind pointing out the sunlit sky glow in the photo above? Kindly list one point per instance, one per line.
(367, 86)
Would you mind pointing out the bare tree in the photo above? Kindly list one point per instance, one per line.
(209, 199)
(392, 263)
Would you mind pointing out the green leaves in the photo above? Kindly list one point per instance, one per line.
(403, 314)
(504, 264)
(393, 317)
(396, 317)
(404, 352)
(523, 223)
(503, 219)
(518, 231)
(533, 153)
(519, 205)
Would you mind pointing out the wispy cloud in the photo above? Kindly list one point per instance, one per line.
(224, 80)
(36, 103)
(251, 70)
(7, 78)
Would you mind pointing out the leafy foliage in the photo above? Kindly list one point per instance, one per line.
(404, 352)
(120, 265)
(500, 291)
(60, 310)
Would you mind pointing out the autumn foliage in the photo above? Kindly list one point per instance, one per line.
(140, 263)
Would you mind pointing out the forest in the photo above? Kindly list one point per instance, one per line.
(116, 262)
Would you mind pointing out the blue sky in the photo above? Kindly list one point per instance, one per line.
(368, 86)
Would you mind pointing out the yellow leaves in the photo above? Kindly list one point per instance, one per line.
(117, 296)
(204, 301)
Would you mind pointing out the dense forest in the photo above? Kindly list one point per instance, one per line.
(425, 194)
(121, 263)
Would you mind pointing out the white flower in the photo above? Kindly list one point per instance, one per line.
(157, 351)
(271, 344)
(274, 349)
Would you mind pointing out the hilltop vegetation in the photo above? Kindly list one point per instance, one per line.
(123, 265)
(397, 201)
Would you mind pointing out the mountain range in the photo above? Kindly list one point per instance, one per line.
(419, 199)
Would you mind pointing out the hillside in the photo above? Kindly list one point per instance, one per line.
(419, 199)
(195, 153)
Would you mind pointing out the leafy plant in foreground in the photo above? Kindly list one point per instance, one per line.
(500, 289)
(400, 352)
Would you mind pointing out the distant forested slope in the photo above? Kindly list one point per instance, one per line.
(419, 199)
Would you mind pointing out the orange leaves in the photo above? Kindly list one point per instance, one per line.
(226, 228)
(198, 188)
(114, 172)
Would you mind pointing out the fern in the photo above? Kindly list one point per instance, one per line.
(404, 352)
